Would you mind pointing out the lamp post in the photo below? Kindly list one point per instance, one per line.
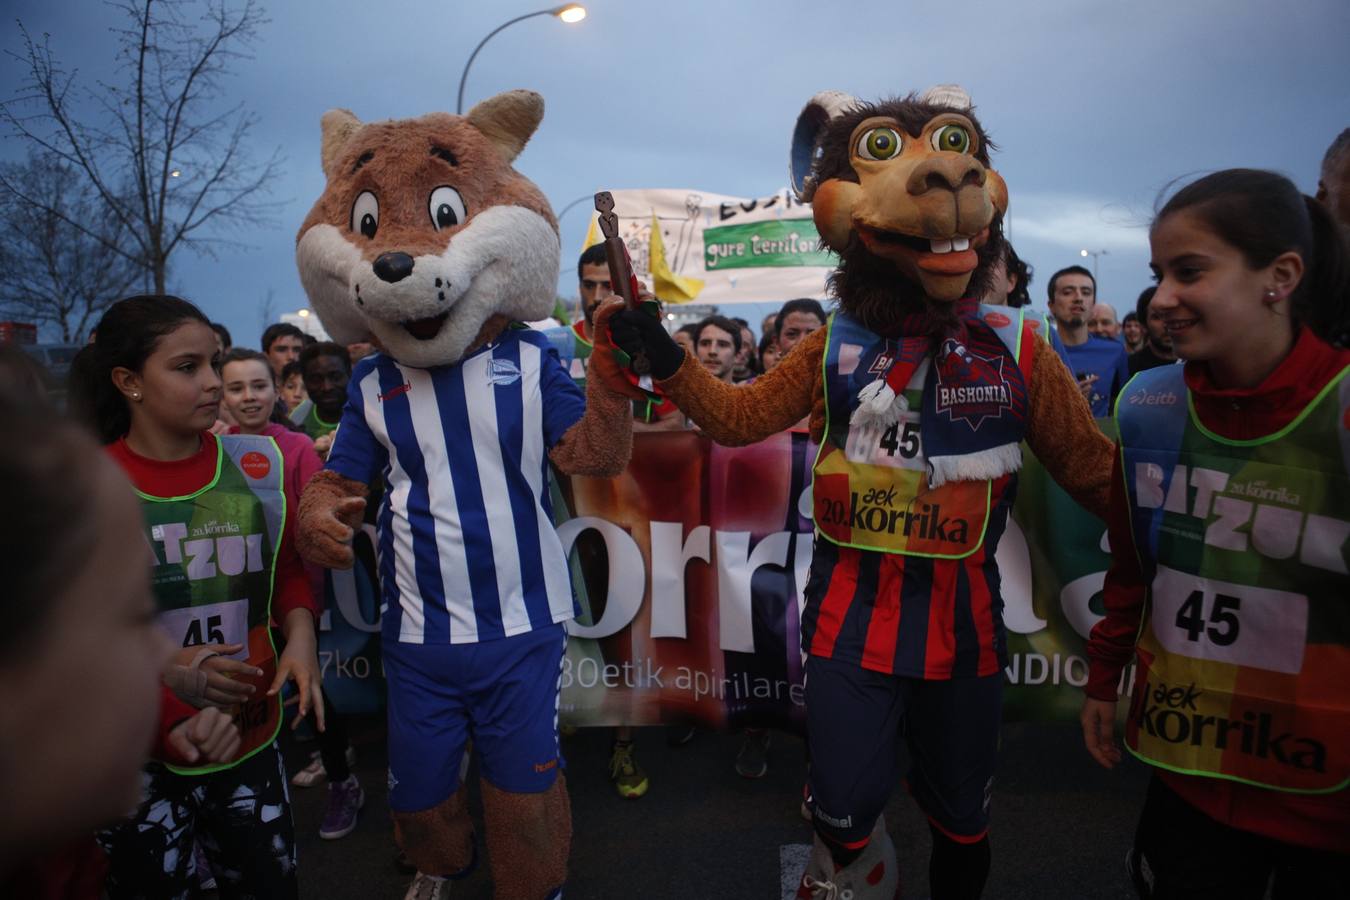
(570, 13)
(1094, 254)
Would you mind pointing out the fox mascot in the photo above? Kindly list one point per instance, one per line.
(429, 244)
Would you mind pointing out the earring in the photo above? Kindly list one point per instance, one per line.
(1270, 293)
(136, 395)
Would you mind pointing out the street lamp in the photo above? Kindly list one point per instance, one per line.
(570, 13)
(1094, 254)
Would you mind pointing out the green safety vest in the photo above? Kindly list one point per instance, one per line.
(215, 560)
(909, 518)
(1244, 647)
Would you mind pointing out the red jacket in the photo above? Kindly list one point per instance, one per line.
(1310, 820)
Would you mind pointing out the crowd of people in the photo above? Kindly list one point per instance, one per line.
(185, 655)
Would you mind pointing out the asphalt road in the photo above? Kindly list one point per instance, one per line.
(1061, 825)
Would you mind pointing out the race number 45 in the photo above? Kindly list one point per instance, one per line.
(1203, 618)
(901, 438)
(213, 623)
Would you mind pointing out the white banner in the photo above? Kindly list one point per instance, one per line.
(744, 250)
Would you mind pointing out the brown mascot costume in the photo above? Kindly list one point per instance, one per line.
(919, 399)
(429, 244)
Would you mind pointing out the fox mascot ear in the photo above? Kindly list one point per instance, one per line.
(337, 127)
(508, 120)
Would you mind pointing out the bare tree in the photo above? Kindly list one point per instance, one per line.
(161, 129)
(57, 275)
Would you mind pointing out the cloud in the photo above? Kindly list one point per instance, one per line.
(1076, 222)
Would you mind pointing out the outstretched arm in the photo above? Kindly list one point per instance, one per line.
(600, 442)
(1062, 434)
(734, 415)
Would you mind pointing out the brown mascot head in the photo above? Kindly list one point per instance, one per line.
(903, 191)
(425, 239)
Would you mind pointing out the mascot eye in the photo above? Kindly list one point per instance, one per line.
(366, 214)
(879, 143)
(447, 207)
(952, 139)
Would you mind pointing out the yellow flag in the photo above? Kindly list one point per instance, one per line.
(671, 288)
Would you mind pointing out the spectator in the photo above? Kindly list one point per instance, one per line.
(1157, 349)
(326, 369)
(1132, 332)
(768, 325)
(1099, 364)
(223, 340)
(1333, 184)
(1009, 278)
(747, 363)
(718, 341)
(768, 351)
(282, 343)
(685, 336)
(1103, 322)
(292, 390)
(796, 320)
(359, 351)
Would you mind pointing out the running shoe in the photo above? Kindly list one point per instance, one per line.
(629, 779)
(312, 773)
(428, 887)
(753, 759)
(345, 800)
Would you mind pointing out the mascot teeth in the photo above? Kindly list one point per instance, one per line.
(942, 246)
(960, 244)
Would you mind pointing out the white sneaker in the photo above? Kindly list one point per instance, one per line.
(872, 876)
(428, 887)
(311, 774)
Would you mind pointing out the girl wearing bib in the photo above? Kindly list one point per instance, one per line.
(215, 521)
(1230, 528)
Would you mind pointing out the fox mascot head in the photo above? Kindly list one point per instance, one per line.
(425, 239)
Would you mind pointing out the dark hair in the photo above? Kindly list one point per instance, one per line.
(279, 329)
(800, 305)
(691, 329)
(125, 337)
(291, 368)
(224, 334)
(1262, 215)
(1068, 270)
(46, 530)
(1133, 316)
(1337, 152)
(325, 348)
(1014, 265)
(21, 374)
(723, 323)
(594, 255)
(765, 342)
(1141, 305)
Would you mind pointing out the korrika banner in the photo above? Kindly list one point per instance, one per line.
(741, 250)
(690, 568)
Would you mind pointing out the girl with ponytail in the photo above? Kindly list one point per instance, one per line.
(215, 517)
(1230, 529)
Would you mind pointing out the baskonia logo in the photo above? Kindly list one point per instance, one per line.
(1172, 715)
(970, 386)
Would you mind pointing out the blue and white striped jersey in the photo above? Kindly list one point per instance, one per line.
(468, 551)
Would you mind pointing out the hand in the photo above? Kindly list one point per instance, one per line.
(219, 688)
(210, 736)
(300, 662)
(1099, 731)
(1086, 386)
(634, 331)
(328, 522)
(323, 443)
(220, 427)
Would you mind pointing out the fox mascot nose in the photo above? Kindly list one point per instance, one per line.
(392, 267)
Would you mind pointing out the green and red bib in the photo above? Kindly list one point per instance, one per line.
(1244, 648)
(215, 559)
(872, 488)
